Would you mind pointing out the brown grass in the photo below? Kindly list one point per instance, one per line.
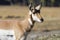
(51, 16)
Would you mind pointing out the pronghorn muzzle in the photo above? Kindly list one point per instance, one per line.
(42, 19)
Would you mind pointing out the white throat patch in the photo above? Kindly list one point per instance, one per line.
(30, 21)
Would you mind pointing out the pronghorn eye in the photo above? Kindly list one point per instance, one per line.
(33, 13)
(32, 10)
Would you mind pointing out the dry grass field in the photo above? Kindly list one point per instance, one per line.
(51, 16)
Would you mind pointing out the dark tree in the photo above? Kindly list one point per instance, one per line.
(12, 1)
(20, 2)
(23, 2)
(4, 2)
(57, 3)
(36, 2)
(47, 2)
(27, 2)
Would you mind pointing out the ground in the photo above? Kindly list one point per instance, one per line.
(51, 35)
(50, 26)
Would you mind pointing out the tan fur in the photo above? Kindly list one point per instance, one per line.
(18, 26)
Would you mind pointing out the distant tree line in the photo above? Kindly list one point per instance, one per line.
(26, 2)
(51, 2)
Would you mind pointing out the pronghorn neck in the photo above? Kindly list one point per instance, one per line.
(31, 22)
(30, 19)
(28, 23)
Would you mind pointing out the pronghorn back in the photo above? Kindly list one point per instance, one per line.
(7, 24)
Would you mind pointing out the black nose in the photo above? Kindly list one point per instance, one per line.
(42, 19)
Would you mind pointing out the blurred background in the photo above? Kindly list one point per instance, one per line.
(50, 3)
(18, 9)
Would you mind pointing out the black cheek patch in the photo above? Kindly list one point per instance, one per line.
(37, 11)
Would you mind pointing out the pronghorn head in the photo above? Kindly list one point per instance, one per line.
(35, 13)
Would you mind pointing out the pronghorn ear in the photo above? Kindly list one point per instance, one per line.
(30, 5)
(38, 7)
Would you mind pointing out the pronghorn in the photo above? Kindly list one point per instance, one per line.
(22, 28)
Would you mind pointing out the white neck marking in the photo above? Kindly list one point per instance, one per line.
(30, 12)
(30, 21)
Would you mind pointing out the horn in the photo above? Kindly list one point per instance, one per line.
(30, 5)
(38, 6)
(41, 5)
